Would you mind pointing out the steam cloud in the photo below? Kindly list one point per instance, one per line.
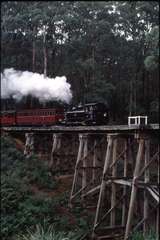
(18, 84)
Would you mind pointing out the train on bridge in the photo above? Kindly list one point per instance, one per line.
(87, 114)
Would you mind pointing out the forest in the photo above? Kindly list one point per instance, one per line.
(107, 50)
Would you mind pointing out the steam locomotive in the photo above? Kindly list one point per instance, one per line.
(87, 114)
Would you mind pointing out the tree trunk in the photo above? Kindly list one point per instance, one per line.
(45, 53)
(135, 94)
(33, 62)
(33, 51)
(44, 57)
(131, 97)
(93, 59)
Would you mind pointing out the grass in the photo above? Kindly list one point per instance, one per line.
(43, 233)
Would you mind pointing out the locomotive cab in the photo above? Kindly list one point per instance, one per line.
(96, 113)
(88, 114)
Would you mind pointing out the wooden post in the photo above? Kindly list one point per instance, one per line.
(58, 163)
(157, 217)
(157, 224)
(146, 180)
(84, 171)
(103, 184)
(113, 193)
(126, 156)
(158, 162)
(134, 188)
(56, 145)
(29, 145)
(94, 162)
(76, 167)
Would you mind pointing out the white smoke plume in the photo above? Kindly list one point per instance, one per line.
(18, 84)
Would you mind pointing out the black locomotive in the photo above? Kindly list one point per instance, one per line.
(88, 114)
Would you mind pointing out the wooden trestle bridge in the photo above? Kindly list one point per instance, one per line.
(116, 173)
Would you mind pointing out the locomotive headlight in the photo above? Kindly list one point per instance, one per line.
(105, 114)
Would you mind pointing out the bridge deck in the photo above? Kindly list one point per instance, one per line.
(85, 129)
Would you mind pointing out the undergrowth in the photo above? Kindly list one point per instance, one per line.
(139, 236)
(22, 209)
(49, 233)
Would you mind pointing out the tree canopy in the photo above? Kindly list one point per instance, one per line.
(108, 50)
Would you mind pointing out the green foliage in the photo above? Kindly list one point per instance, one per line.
(100, 91)
(152, 39)
(38, 173)
(22, 209)
(31, 170)
(9, 154)
(151, 63)
(139, 236)
(19, 206)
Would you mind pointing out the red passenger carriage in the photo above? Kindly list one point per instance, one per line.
(32, 117)
(8, 118)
